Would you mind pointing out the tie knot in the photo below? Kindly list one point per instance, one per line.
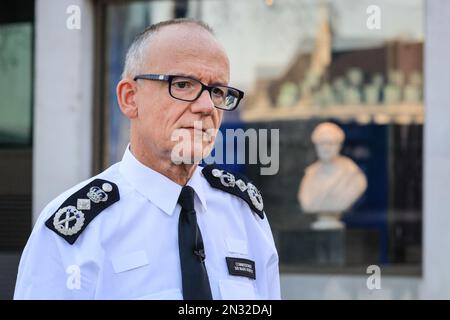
(186, 198)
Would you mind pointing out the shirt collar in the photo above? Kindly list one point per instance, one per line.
(197, 182)
(156, 187)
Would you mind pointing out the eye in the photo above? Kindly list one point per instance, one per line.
(182, 85)
(218, 92)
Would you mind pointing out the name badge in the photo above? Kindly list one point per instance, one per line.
(241, 267)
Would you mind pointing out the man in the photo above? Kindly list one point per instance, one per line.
(155, 225)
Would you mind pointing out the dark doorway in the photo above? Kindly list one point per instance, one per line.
(16, 119)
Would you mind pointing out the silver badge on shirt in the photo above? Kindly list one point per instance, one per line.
(83, 204)
(255, 196)
(63, 220)
(97, 195)
(228, 180)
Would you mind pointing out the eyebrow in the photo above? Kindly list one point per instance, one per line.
(180, 74)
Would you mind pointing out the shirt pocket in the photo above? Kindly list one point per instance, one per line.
(171, 294)
(129, 261)
(236, 290)
(237, 246)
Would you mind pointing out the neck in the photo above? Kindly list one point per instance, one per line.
(178, 173)
(330, 165)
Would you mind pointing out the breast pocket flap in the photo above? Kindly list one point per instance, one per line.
(129, 261)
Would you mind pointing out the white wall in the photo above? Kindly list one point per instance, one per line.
(437, 151)
(62, 100)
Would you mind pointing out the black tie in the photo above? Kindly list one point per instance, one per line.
(192, 254)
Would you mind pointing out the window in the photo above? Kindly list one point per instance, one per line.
(16, 92)
(15, 83)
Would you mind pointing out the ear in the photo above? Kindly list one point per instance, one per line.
(126, 97)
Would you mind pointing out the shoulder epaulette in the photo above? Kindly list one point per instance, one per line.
(236, 184)
(73, 216)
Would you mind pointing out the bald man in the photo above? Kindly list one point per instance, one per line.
(156, 225)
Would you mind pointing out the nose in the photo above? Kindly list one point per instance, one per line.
(203, 104)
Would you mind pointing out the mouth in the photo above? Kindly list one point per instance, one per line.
(203, 130)
(193, 128)
(206, 133)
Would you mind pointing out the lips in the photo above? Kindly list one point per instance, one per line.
(206, 133)
(194, 128)
(204, 130)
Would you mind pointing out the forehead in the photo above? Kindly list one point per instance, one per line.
(188, 50)
(327, 140)
(327, 135)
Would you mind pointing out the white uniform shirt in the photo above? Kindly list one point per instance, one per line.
(130, 249)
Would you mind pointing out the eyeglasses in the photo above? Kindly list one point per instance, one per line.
(190, 89)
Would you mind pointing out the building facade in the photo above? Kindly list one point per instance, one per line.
(300, 63)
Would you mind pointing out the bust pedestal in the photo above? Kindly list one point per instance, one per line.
(328, 221)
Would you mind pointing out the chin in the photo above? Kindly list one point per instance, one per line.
(200, 152)
(190, 151)
(192, 156)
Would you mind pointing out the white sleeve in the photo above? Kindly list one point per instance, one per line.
(50, 268)
(274, 279)
(273, 272)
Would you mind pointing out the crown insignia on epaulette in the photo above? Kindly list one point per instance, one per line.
(97, 195)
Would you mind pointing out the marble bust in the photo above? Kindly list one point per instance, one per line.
(332, 184)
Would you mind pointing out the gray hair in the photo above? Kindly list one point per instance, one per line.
(135, 58)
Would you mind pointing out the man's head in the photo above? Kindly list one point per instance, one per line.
(176, 47)
(328, 139)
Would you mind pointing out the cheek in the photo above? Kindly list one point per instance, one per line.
(149, 124)
(217, 118)
(153, 114)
